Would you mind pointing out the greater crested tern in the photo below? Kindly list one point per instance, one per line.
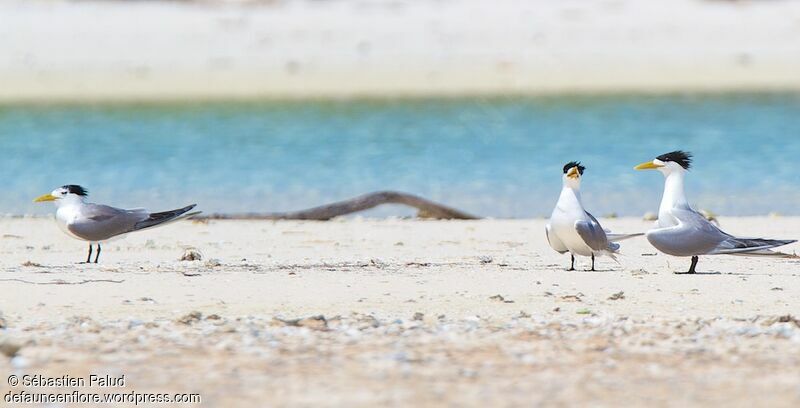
(572, 229)
(97, 223)
(682, 231)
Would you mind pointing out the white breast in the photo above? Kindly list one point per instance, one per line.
(569, 210)
(66, 216)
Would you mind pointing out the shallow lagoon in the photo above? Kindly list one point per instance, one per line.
(499, 157)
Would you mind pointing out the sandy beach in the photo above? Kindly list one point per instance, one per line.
(366, 312)
(133, 51)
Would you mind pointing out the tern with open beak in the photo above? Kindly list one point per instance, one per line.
(97, 223)
(573, 229)
(682, 231)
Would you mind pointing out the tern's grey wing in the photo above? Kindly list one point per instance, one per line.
(622, 237)
(732, 245)
(98, 212)
(165, 217)
(693, 235)
(554, 241)
(592, 233)
(721, 243)
(748, 246)
(100, 222)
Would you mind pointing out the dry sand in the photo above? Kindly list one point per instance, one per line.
(414, 312)
(86, 51)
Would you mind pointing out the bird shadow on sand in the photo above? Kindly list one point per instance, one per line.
(723, 273)
(697, 273)
(582, 270)
(561, 268)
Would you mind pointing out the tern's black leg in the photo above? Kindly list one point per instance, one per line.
(98, 254)
(572, 265)
(592, 262)
(694, 264)
(89, 258)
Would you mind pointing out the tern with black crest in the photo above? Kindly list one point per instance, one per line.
(682, 231)
(97, 223)
(573, 229)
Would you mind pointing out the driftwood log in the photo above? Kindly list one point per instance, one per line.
(427, 209)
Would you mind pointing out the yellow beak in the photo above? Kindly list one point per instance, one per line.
(573, 172)
(648, 166)
(46, 197)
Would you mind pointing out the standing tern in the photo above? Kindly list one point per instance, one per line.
(572, 229)
(97, 223)
(682, 231)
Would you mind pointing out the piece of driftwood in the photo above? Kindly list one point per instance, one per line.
(427, 209)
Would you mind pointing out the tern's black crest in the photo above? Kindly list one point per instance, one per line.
(574, 164)
(76, 189)
(678, 156)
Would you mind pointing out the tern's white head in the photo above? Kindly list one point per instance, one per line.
(572, 175)
(669, 163)
(69, 194)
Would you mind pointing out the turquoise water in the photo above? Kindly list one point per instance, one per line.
(492, 157)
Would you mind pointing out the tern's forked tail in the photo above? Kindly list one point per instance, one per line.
(612, 252)
(161, 218)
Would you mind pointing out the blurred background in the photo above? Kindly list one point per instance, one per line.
(279, 105)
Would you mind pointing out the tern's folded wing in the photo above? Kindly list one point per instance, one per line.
(164, 217)
(100, 222)
(592, 233)
(693, 235)
(727, 244)
(622, 237)
(99, 212)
